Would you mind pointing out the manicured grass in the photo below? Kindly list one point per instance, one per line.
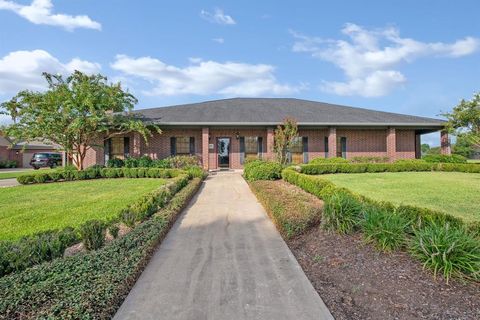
(29, 209)
(473, 161)
(452, 192)
(14, 174)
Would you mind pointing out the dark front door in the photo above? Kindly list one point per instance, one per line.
(223, 151)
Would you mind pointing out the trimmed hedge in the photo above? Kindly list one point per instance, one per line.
(262, 170)
(292, 212)
(443, 158)
(400, 166)
(94, 284)
(31, 250)
(109, 173)
(321, 160)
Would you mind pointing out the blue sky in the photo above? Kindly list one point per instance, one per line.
(415, 57)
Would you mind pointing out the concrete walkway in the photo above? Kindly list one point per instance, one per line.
(9, 182)
(223, 259)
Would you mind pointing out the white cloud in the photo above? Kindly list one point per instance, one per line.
(218, 40)
(370, 58)
(21, 70)
(41, 12)
(218, 16)
(204, 77)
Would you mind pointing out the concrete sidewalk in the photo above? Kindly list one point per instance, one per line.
(223, 259)
(9, 183)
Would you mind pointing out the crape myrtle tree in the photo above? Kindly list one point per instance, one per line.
(77, 113)
(283, 139)
(464, 122)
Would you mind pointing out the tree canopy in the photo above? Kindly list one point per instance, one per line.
(77, 112)
(464, 122)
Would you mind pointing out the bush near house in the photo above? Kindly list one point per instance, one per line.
(173, 162)
(94, 284)
(441, 241)
(441, 158)
(328, 160)
(262, 170)
(292, 212)
(8, 164)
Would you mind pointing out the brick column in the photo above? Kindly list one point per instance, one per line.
(270, 154)
(391, 144)
(137, 142)
(332, 142)
(445, 143)
(205, 138)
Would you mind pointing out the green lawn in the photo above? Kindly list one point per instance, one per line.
(453, 192)
(14, 174)
(29, 209)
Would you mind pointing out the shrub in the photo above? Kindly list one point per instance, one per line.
(113, 229)
(328, 160)
(341, 212)
(161, 163)
(196, 172)
(293, 212)
(8, 164)
(442, 158)
(451, 251)
(32, 250)
(115, 163)
(369, 160)
(131, 162)
(90, 285)
(144, 162)
(93, 234)
(26, 179)
(262, 170)
(55, 175)
(385, 229)
(183, 162)
(41, 177)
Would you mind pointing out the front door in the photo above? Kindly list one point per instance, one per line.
(223, 151)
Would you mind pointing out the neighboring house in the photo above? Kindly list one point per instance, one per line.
(224, 133)
(22, 152)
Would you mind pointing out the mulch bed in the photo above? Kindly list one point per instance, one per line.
(356, 281)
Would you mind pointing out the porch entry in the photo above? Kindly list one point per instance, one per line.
(223, 151)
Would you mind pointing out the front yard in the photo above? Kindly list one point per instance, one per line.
(452, 192)
(26, 210)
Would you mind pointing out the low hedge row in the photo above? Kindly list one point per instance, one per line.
(90, 285)
(292, 212)
(400, 166)
(31, 250)
(440, 241)
(98, 172)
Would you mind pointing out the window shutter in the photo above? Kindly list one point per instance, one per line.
(343, 142)
(106, 150)
(126, 147)
(192, 146)
(260, 147)
(173, 146)
(326, 146)
(242, 150)
(305, 149)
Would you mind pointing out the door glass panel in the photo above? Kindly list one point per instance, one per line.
(223, 150)
(117, 148)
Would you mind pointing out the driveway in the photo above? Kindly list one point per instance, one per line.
(223, 259)
(8, 183)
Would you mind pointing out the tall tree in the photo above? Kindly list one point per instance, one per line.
(284, 135)
(77, 112)
(464, 121)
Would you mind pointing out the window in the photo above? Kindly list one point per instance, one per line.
(182, 145)
(251, 148)
(342, 147)
(296, 150)
(326, 146)
(117, 148)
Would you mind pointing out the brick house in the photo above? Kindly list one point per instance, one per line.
(22, 152)
(224, 133)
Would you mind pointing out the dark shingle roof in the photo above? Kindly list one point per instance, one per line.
(270, 111)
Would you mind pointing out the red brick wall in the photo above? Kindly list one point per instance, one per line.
(360, 142)
(405, 144)
(363, 143)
